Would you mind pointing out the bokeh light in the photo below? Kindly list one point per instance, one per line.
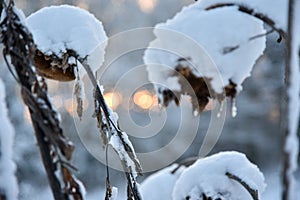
(113, 99)
(147, 6)
(57, 101)
(143, 99)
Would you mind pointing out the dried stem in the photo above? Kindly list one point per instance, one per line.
(56, 150)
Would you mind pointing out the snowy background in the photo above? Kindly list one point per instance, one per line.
(255, 131)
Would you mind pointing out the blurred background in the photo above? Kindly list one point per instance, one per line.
(255, 131)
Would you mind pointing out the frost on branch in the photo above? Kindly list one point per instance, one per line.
(8, 183)
(183, 44)
(56, 150)
(226, 175)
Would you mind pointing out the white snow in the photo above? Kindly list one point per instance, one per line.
(116, 143)
(207, 176)
(81, 187)
(160, 184)
(195, 34)
(8, 183)
(57, 29)
(114, 195)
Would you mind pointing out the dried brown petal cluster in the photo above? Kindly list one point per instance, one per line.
(198, 88)
(53, 67)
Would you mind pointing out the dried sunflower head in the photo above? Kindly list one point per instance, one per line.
(53, 67)
(198, 88)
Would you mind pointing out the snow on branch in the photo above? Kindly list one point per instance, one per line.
(56, 150)
(8, 183)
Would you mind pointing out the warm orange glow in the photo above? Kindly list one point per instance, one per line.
(112, 99)
(155, 101)
(147, 6)
(82, 4)
(85, 104)
(69, 106)
(57, 101)
(143, 99)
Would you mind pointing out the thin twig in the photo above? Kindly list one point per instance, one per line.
(261, 35)
(230, 49)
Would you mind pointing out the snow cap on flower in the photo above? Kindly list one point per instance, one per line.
(218, 47)
(220, 176)
(58, 30)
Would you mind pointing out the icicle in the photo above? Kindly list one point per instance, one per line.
(196, 113)
(221, 109)
(233, 107)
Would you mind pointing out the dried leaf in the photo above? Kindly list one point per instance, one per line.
(51, 67)
(79, 94)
